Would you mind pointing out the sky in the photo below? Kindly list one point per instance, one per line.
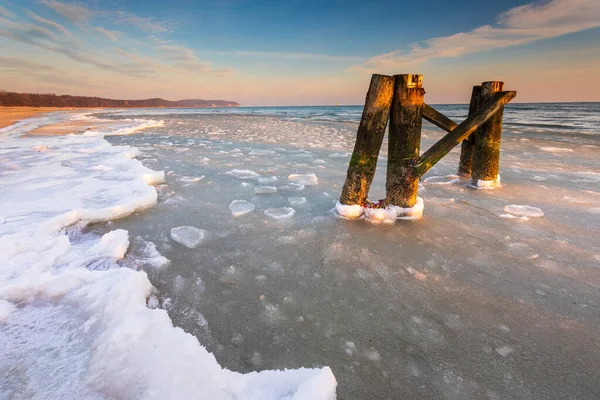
(299, 52)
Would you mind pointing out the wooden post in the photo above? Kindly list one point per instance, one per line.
(486, 149)
(462, 131)
(466, 148)
(368, 140)
(406, 118)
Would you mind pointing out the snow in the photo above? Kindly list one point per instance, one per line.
(280, 213)
(307, 179)
(523, 211)
(241, 207)
(351, 211)
(386, 215)
(189, 236)
(411, 213)
(243, 173)
(485, 185)
(83, 324)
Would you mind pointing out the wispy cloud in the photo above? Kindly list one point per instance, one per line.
(520, 25)
(73, 12)
(111, 35)
(55, 25)
(146, 24)
(5, 13)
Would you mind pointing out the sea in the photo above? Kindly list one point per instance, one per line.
(180, 250)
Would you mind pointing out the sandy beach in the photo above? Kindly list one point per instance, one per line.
(10, 115)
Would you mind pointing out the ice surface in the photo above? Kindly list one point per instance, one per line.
(83, 326)
(189, 236)
(307, 179)
(243, 173)
(241, 207)
(523, 211)
(280, 213)
(265, 189)
(556, 149)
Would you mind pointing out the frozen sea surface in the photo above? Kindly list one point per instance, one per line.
(461, 304)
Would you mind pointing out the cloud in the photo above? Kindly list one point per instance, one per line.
(56, 26)
(111, 35)
(519, 25)
(146, 24)
(76, 14)
(292, 55)
(16, 64)
(5, 13)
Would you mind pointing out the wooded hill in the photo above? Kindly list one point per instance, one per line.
(12, 99)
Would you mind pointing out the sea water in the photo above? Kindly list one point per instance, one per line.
(492, 294)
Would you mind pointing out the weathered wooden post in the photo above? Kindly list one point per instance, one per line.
(368, 140)
(486, 149)
(466, 149)
(402, 183)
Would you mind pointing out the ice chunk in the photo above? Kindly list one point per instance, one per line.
(442, 180)
(267, 179)
(280, 213)
(523, 211)
(191, 179)
(189, 236)
(386, 215)
(261, 152)
(241, 207)
(307, 179)
(505, 350)
(297, 201)
(556, 149)
(243, 173)
(292, 187)
(411, 213)
(265, 189)
(349, 211)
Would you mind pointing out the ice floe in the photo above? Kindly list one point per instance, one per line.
(306, 179)
(189, 236)
(523, 211)
(241, 207)
(243, 173)
(265, 189)
(280, 213)
(296, 201)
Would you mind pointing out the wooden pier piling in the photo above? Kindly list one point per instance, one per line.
(465, 164)
(368, 140)
(486, 146)
(406, 118)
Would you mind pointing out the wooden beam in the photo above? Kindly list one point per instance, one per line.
(368, 140)
(486, 146)
(438, 119)
(466, 148)
(462, 131)
(404, 140)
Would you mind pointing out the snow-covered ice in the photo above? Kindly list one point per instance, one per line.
(189, 236)
(243, 173)
(306, 179)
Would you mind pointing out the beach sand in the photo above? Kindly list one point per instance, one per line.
(11, 115)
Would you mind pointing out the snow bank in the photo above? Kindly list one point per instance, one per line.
(74, 320)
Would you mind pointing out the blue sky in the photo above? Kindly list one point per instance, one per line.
(298, 52)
